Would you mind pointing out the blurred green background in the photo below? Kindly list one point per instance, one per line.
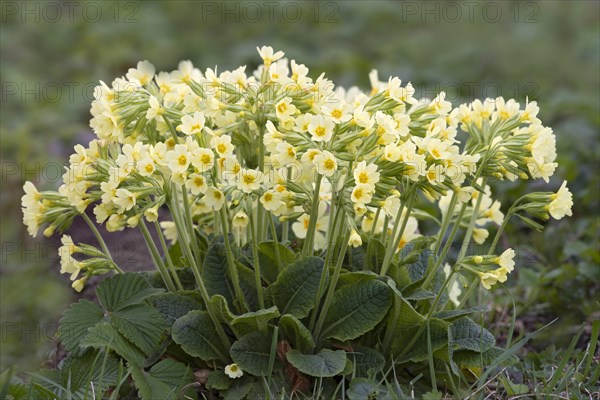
(54, 53)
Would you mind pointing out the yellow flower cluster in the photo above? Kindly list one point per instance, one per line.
(220, 149)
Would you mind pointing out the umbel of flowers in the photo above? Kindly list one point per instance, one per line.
(276, 162)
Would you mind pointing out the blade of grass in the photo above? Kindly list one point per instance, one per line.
(273, 353)
(90, 372)
(508, 354)
(120, 381)
(430, 355)
(563, 363)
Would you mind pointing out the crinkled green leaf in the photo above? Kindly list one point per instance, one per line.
(197, 336)
(268, 259)
(163, 381)
(296, 288)
(374, 258)
(76, 375)
(473, 359)
(76, 321)
(365, 389)
(215, 272)
(141, 324)
(176, 305)
(326, 363)
(254, 321)
(296, 333)
(366, 360)
(356, 308)
(414, 256)
(221, 308)
(352, 277)
(252, 353)
(248, 285)
(355, 259)
(242, 389)
(104, 334)
(466, 334)
(218, 380)
(405, 333)
(123, 290)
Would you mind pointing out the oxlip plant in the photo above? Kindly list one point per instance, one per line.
(300, 251)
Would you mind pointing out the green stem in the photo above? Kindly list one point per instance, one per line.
(285, 226)
(384, 231)
(371, 238)
(203, 291)
(307, 249)
(508, 216)
(172, 129)
(99, 239)
(261, 212)
(190, 224)
(160, 266)
(427, 318)
(445, 222)
(473, 284)
(391, 326)
(431, 273)
(182, 234)
(468, 294)
(257, 276)
(324, 273)
(332, 285)
(276, 242)
(332, 208)
(471, 227)
(396, 237)
(170, 264)
(216, 225)
(231, 260)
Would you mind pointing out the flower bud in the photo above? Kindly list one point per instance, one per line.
(49, 231)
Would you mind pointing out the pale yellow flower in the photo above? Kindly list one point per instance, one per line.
(506, 261)
(271, 200)
(321, 128)
(355, 240)
(561, 203)
(268, 56)
(79, 284)
(142, 74)
(155, 109)
(222, 145)
(151, 214)
(233, 371)
(214, 198)
(326, 163)
(249, 180)
(362, 194)
(203, 159)
(192, 124)
(196, 183)
(240, 219)
(179, 159)
(366, 174)
(124, 200)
